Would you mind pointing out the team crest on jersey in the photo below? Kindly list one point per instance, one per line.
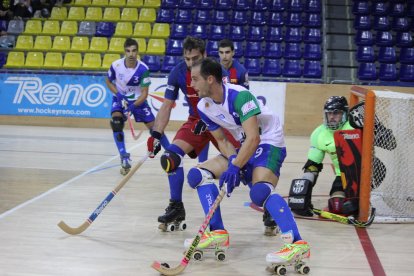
(221, 117)
(249, 106)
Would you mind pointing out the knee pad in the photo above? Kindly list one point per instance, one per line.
(170, 161)
(260, 192)
(199, 176)
(117, 124)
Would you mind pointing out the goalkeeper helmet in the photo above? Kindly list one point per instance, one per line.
(336, 104)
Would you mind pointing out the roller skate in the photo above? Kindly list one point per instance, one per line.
(125, 166)
(174, 217)
(270, 225)
(217, 241)
(291, 254)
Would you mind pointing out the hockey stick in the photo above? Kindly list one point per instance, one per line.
(345, 220)
(164, 268)
(131, 126)
(104, 203)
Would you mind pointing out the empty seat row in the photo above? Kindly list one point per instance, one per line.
(76, 44)
(58, 61)
(239, 17)
(384, 38)
(256, 5)
(386, 54)
(396, 8)
(108, 29)
(104, 14)
(117, 3)
(386, 72)
(383, 23)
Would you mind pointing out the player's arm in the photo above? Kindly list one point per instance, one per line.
(145, 83)
(163, 115)
(225, 147)
(111, 86)
(252, 140)
(109, 80)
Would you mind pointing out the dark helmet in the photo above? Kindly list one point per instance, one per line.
(336, 103)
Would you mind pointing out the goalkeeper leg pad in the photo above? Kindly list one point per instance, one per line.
(300, 194)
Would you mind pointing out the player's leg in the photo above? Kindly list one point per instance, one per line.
(117, 124)
(202, 178)
(203, 156)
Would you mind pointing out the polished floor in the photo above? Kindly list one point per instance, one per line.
(52, 174)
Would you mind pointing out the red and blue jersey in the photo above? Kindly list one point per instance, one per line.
(238, 74)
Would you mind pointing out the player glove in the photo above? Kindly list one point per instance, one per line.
(153, 144)
(199, 127)
(231, 177)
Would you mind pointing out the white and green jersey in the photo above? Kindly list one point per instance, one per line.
(128, 81)
(238, 106)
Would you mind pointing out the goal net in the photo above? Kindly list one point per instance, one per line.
(387, 175)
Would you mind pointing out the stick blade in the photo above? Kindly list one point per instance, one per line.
(167, 271)
(73, 231)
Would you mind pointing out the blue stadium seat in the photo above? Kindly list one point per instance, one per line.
(3, 25)
(361, 8)
(179, 31)
(237, 32)
(274, 34)
(313, 20)
(258, 18)
(253, 49)
(292, 68)
(183, 16)
(400, 24)
(200, 30)
(380, 8)
(239, 17)
(397, 9)
(313, 6)
(312, 35)
(292, 51)
(312, 52)
(387, 54)
(293, 34)
(2, 59)
(153, 62)
(381, 23)
(212, 48)
(384, 38)
(365, 54)
(260, 5)
(169, 4)
(294, 5)
(169, 62)
(242, 5)
(187, 4)
(410, 10)
(367, 71)
(388, 72)
(253, 66)
(276, 19)
(238, 49)
(255, 33)
(221, 17)
(223, 4)
(364, 38)
(217, 32)
(273, 50)
(205, 4)
(174, 47)
(407, 55)
(105, 29)
(165, 16)
(407, 72)
(362, 22)
(271, 68)
(404, 39)
(277, 5)
(312, 69)
(203, 17)
(294, 19)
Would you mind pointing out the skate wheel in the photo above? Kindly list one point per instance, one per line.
(182, 226)
(220, 256)
(171, 227)
(280, 270)
(304, 269)
(198, 255)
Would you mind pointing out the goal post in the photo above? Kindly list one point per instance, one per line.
(387, 154)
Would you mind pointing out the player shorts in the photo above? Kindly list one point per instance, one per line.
(198, 142)
(267, 156)
(142, 113)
